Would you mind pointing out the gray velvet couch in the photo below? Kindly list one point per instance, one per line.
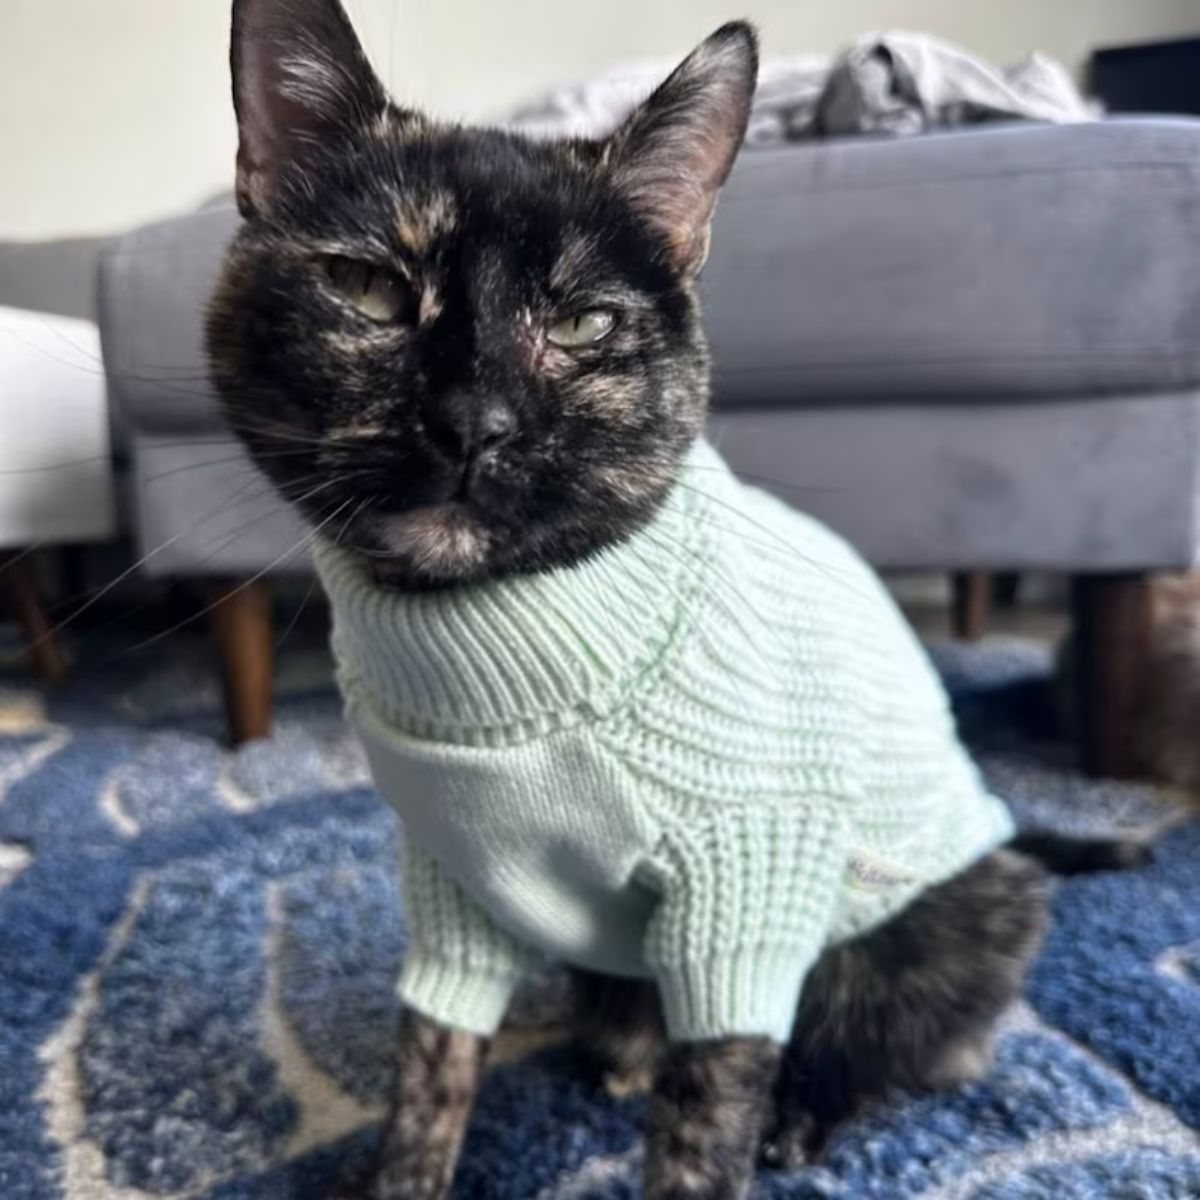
(966, 351)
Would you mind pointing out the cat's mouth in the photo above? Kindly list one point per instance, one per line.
(438, 541)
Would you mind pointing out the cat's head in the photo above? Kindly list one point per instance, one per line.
(462, 351)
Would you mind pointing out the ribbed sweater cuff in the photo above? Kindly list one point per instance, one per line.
(474, 999)
(751, 992)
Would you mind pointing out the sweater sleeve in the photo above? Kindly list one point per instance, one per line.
(460, 967)
(746, 900)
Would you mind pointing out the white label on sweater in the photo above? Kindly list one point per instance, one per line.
(872, 874)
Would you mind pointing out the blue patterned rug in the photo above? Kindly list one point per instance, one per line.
(197, 950)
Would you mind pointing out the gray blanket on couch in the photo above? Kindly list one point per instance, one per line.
(891, 83)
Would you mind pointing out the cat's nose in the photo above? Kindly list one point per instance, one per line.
(467, 426)
(496, 424)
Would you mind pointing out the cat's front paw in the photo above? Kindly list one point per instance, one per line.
(795, 1142)
(393, 1185)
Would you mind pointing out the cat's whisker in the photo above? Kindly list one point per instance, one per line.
(203, 390)
(285, 503)
(291, 625)
(340, 479)
(645, 464)
(776, 542)
(87, 368)
(96, 596)
(289, 553)
(773, 540)
(70, 342)
(273, 432)
(244, 494)
(693, 563)
(153, 602)
(228, 460)
(67, 465)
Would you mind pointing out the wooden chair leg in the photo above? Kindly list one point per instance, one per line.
(1112, 641)
(241, 621)
(24, 595)
(972, 604)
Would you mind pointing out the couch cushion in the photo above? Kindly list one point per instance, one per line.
(1062, 485)
(1057, 484)
(998, 263)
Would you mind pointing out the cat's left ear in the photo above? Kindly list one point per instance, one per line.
(299, 77)
(672, 154)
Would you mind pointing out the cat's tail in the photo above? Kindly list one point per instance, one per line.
(1078, 856)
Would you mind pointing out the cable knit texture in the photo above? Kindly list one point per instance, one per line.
(701, 755)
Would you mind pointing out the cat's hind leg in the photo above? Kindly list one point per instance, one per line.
(910, 1005)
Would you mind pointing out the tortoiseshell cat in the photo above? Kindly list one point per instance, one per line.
(407, 301)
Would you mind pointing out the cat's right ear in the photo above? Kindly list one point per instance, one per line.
(299, 77)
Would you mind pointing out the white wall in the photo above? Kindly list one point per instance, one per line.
(117, 111)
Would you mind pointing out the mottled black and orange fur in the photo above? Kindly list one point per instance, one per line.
(496, 234)
(384, 434)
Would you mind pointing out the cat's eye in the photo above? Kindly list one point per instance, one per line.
(375, 291)
(583, 329)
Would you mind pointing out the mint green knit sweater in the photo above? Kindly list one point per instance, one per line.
(701, 756)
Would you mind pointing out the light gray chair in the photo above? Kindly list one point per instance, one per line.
(966, 351)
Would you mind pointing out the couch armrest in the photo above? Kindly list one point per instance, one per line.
(154, 283)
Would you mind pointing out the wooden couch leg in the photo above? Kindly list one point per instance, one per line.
(24, 596)
(1112, 644)
(972, 604)
(241, 620)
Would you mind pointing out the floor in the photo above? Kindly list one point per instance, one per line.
(201, 944)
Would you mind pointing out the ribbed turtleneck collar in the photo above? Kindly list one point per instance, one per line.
(513, 658)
